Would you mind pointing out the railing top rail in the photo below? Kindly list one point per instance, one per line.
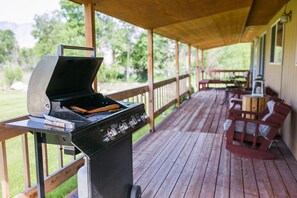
(6, 133)
(226, 70)
(164, 82)
(184, 76)
(128, 93)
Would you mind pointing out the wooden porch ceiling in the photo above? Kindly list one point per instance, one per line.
(201, 23)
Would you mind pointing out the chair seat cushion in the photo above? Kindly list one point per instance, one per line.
(250, 128)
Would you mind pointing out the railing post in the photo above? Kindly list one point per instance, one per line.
(150, 58)
(202, 61)
(197, 69)
(189, 69)
(202, 65)
(44, 159)
(3, 170)
(177, 73)
(90, 31)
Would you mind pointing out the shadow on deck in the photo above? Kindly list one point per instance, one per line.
(186, 157)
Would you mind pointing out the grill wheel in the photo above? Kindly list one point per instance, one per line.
(135, 192)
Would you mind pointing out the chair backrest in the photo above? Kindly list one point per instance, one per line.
(266, 110)
(279, 114)
(270, 92)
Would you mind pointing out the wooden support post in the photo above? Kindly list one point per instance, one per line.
(252, 55)
(202, 64)
(90, 32)
(189, 69)
(150, 58)
(4, 170)
(202, 61)
(177, 73)
(197, 69)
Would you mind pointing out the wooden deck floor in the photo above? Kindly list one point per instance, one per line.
(186, 157)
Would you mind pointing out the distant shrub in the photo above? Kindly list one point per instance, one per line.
(109, 74)
(12, 73)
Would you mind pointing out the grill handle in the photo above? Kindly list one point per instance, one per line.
(60, 50)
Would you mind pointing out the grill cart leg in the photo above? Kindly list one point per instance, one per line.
(135, 192)
(39, 165)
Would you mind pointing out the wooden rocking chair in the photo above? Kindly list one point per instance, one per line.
(253, 137)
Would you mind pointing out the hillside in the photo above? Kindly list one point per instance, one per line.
(22, 33)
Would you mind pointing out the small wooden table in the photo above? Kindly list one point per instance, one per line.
(254, 104)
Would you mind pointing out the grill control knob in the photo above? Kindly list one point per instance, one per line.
(133, 121)
(112, 132)
(143, 117)
(123, 127)
(106, 139)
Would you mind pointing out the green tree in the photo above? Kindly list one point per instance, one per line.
(229, 57)
(161, 55)
(139, 57)
(59, 27)
(162, 59)
(105, 29)
(27, 58)
(7, 45)
(73, 15)
(12, 73)
(49, 32)
(123, 44)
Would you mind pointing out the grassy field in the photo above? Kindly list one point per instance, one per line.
(13, 104)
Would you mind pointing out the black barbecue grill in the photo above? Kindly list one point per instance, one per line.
(65, 110)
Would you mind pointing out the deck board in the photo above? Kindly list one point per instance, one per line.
(186, 157)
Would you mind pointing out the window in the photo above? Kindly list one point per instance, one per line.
(276, 50)
(296, 55)
(262, 54)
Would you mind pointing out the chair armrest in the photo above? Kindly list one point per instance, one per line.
(235, 102)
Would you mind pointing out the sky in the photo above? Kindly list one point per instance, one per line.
(23, 11)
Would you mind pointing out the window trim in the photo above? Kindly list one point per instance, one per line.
(273, 45)
(296, 55)
(262, 52)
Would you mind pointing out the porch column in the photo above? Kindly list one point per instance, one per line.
(189, 69)
(177, 73)
(90, 31)
(197, 69)
(202, 64)
(251, 77)
(150, 70)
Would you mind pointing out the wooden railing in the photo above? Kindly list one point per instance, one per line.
(164, 98)
(225, 77)
(222, 74)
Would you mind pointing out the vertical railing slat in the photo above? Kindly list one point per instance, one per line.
(25, 149)
(3, 170)
(60, 156)
(45, 159)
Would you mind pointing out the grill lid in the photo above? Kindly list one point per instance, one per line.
(73, 75)
(60, 76)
